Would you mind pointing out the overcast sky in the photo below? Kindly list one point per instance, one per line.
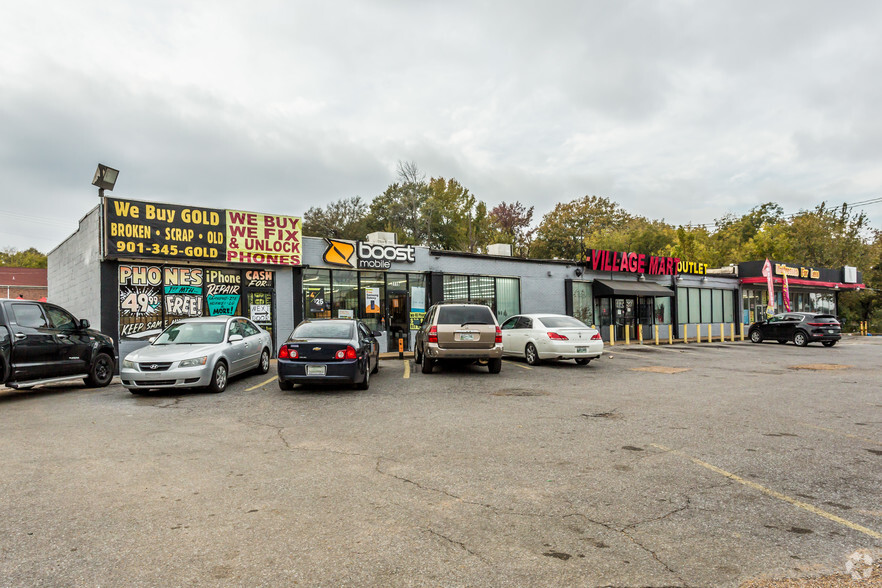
(675, 109)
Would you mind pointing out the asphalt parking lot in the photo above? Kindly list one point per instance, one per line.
(691, 465)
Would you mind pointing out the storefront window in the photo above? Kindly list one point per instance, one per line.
(583, 299)
(508, 298)
(705, 305)
(717, 302)
(373, 300)
(694, 307)
(482, 289)
(728, 310)
(417, 284)
(683, 305)
(604, 312)
(456, 288)
(316, 293)
(344, 299)
(662, 310)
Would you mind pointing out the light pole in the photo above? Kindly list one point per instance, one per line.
(105, 178)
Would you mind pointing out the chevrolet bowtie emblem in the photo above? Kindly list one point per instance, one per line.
(316, 348)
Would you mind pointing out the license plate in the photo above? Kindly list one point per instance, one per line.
(581, 350)
(831, 330)
(466, 337)
(316, 370)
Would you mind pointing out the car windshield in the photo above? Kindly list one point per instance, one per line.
(562, 322)
(192, 334)
(321, 330)
(460, 315)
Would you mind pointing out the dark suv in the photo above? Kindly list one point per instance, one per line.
(457, 330)
(800, 327)
(42, 343)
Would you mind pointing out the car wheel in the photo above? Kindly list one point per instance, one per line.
(782, 341)
(756, 336)
(583, 361)
(285, 385)
(799, 339)
(263, 366)
(828, 343)
(532, 355)
(494, 365)
(366, 383)
(100, 372)
(218, 378)
(428, 364)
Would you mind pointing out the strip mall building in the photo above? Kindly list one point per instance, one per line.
(132, 268)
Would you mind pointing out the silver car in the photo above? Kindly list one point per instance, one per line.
(198, 352)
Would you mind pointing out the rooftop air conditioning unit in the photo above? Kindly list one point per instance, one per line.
(382, 238)
(499, 249)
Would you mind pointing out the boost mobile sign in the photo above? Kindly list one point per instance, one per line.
(364, 255)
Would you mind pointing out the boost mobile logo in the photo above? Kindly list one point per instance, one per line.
(376, 256)
(339, 253)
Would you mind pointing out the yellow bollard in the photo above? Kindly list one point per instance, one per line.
(710, 334)
(627, 336)
(670, 334)
(732, 331)
(722, 333)
(640, 334)
(612, 334)
(698, 333)
(656, 334)
(686, 333)
(742, 331)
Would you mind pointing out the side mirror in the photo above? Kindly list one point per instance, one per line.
(376, 334)
(151, 340)
(84, 324)
(234, 338)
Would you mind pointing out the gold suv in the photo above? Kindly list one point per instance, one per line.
(459, 331)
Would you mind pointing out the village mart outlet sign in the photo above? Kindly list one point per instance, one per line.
(364, 255)
(640, 263)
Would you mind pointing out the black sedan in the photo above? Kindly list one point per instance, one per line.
(331, 351)
(800, 327)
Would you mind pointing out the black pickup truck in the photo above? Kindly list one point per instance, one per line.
(42, 343)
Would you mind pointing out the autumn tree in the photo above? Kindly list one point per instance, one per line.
(400, 209)
(512, 225)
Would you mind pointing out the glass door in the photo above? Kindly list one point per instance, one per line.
(397, 311)
(624, 318)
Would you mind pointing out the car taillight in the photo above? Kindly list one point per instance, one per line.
(596, 337)
(556, 336)
(433, 335)
(823, 324)
(286, 352)
(498, 335)
(348, 353)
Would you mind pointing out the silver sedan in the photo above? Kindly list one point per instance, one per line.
(196, 353)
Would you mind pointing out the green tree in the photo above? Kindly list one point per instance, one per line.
(345, 219)
(571, 227)
(11, 257)
(401, 208)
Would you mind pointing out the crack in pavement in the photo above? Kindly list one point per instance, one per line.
(459, 544)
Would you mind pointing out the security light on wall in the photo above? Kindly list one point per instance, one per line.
(105, 178)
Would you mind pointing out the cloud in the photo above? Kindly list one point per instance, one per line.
(682, 110)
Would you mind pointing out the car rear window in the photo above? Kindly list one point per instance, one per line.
(562, 322)
(320, 330)
(827, 318)
(458, 315)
